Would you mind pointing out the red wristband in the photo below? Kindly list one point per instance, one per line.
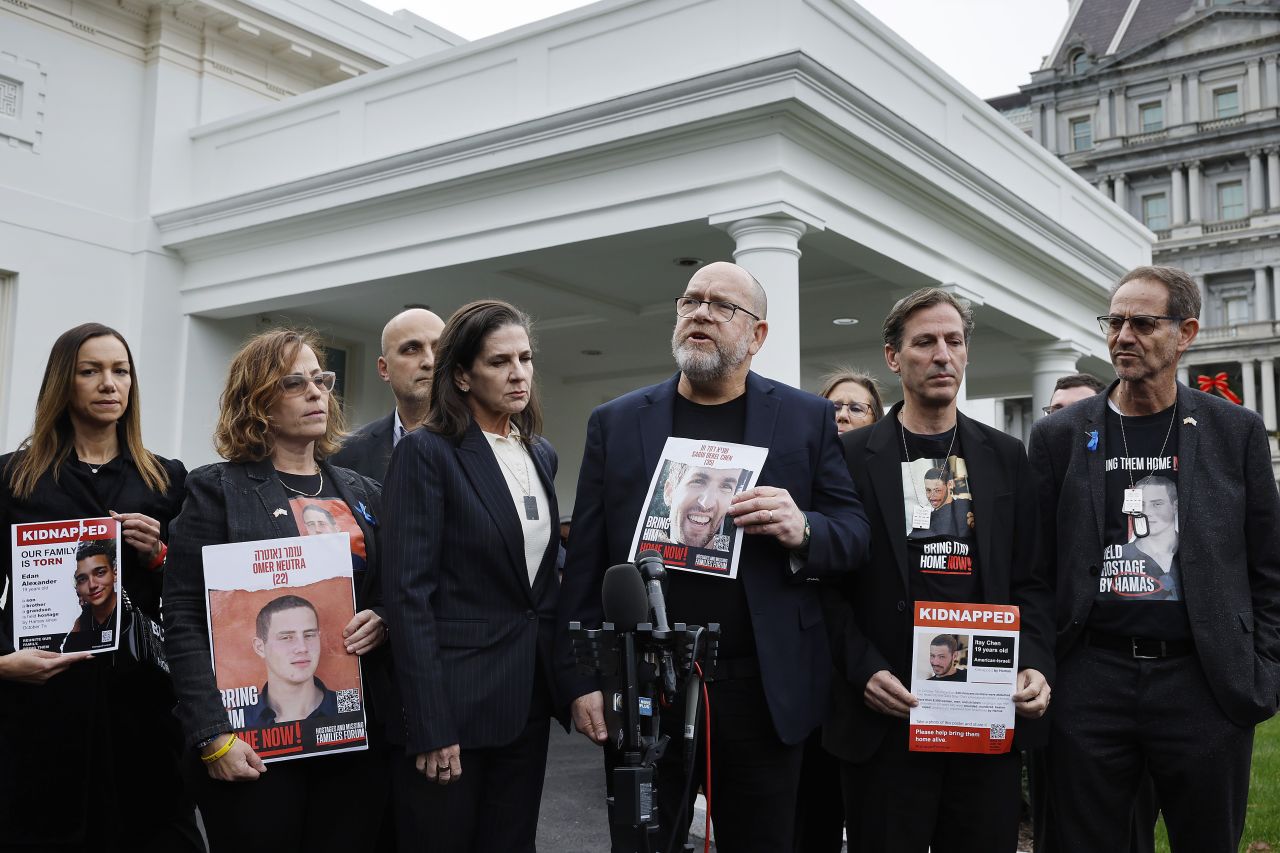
(158, 562)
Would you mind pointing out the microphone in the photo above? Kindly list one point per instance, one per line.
(693, 693)
(650, 567)
(623, 596)
(649, 564)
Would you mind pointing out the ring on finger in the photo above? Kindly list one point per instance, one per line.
(770, 515)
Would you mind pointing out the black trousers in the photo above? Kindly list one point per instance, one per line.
(492, 808)
(325, 804)
(820, 803)
(754, 775)
(1146, 808)
(1115, 717)
(912, 802)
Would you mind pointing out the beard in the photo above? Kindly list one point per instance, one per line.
(701, 366)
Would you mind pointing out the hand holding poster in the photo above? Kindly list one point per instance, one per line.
(66, 585)
(686, 515)
(277, 609)
(964, 671)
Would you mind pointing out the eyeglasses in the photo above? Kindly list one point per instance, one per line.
(859, 409)
(295, 383)
(1142, 324)
(1049, 410)
(721, 312)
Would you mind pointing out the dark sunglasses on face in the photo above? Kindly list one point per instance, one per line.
(296, 383)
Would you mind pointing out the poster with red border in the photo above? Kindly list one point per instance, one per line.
(67, 579)
(277, 610)
(964, 671)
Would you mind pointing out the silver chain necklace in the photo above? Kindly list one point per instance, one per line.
(1125, 441)
(314, 494)
(915, 487)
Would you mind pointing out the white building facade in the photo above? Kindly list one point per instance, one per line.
(189, 172)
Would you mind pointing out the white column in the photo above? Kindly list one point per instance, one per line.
(1122, 114)
(1256, 204)
(1269, 396)
(1252, 86)
(1104, 115)
(1275, 286)
(1049, 362)
(1261, 295)
(1179, 195)
(1204, 299)
(1250, 392)
(1177, 115)
(769, 248)
(1273, 179)
(1101, 183)
(1051, 128)
(1193, 191)
(1270, 95)
(1193, 97)
(1183, 375)
(1122, 192)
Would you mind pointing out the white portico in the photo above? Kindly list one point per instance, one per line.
(574, 165)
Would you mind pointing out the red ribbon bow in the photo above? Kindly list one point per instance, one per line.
(1218, 383)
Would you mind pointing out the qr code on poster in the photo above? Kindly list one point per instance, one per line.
(720, 542)
(997, 731)
(348, 701)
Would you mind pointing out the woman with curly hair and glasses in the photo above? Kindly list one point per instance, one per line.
(279, 420)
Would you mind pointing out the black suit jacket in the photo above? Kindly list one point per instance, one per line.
(871, 617)
(241, 502)
(368, 450)
(624, 444)
(1228, 542)
(471, 633)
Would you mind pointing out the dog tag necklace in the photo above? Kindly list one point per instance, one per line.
(1132, 506)
(502, 447)
(922, 512)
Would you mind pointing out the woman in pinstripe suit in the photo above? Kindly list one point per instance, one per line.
(471, 587)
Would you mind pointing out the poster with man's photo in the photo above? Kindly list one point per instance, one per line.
(277, 609)
(964, 671)
(686, 516)
(66, 585)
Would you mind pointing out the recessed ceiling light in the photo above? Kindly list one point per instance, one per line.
(688, 262)
(845, 321)
(592, 352)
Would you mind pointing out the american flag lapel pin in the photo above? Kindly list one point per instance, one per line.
(1189, 421)
(278, 513)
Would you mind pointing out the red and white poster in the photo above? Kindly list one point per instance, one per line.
(66, 585)
(964, 670)
(277, 609)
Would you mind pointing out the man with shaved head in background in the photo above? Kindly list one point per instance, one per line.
(769, 686)
(406, 364)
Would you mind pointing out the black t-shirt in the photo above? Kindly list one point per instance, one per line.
(698, 599)
(942, 560)
(1139, 590)
(326, 512)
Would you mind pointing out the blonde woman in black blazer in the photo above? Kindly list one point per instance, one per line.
(471, 585)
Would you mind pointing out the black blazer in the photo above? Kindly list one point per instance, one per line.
(64, 736)
(368, 450)
(471, 633)
(1228, 542)
(871, 617)
(625, 438)
(239, 502)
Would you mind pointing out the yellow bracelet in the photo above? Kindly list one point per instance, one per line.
(226, 747)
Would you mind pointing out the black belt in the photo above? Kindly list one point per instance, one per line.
(726, 669)
(1142, 648)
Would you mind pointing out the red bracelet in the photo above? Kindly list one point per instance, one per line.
(158, 562)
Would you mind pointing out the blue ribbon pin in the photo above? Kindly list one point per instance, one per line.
(368, 516)
(1093, 439)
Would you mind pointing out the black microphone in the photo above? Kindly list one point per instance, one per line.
(649, 563)
(693, 693)
(650, 566)
(623, 597)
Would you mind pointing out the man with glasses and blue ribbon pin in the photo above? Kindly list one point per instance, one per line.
(1161, 528)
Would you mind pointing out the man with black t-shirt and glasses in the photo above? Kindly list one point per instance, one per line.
(933, 482)
(802, 521)
(1161, 525)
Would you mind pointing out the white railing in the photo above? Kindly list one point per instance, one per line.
(1240, 331)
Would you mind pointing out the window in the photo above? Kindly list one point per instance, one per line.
(1077, 62)
(1226, 102)
(1155, 211)
(1231, 200)
(1081, 134)
(1235, 310)
(1151, 116)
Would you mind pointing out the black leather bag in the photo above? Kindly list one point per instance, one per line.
(142, 639)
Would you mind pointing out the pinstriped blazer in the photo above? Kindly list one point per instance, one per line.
(469, 629)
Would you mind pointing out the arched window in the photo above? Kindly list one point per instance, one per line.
(1077, 62)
